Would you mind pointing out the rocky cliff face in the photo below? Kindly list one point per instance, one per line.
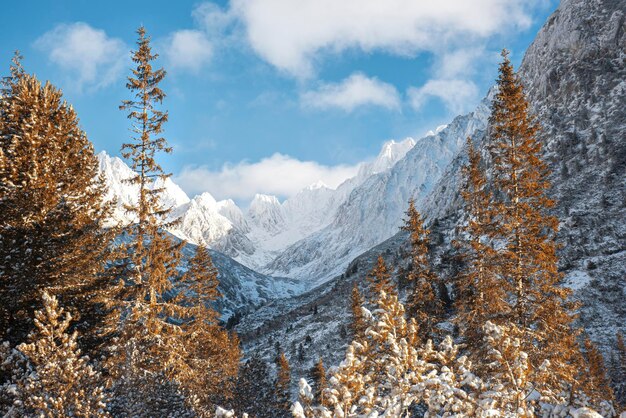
(575, 78)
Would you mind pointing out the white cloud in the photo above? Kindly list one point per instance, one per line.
(291, 34)
(456, 94)
(212, 18)
(356, 90)
(188, 49)
(279, 175)
(463, 61)
(90, 57)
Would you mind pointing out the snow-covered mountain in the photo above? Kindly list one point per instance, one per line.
(575, 78)
(117, 173)
(257, 236)
(575, 75)
(373, 210)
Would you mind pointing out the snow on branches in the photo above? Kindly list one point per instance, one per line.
(388, 373)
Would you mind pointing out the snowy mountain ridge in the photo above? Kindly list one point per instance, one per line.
(374, 210)
(574, 74)
(257, 236)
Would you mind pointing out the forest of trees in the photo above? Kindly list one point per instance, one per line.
(101, 320)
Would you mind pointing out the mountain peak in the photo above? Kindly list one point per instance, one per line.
(391, 152)
(266, 212)
(317, 185)
(205, 199)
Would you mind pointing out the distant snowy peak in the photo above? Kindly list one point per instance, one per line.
(229, 209)
(317, 185)
(254, 237)
(117, 174)
(436, 131)
(201, 222)
(267, 213)
(391, 152)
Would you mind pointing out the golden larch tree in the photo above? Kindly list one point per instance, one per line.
(594, 378)
(379, 278)
(52, 210)
(208, 370)
(357, 323)
(481, 296)
(282, 386)
(62, 383)
(527, 261)
(150, 346)
(320, 381)
(423, 304)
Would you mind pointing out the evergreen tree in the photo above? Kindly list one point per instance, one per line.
(282, 386)
(320, 381)
(595, 381)
(254, 392)
(527, 262)
(357, 325)
(150, 344)
(59, 382)
(304, 406)
(508, 370)
(423, 303)
(379, 278)
(208, 370)
(51, 210)
(480, 297)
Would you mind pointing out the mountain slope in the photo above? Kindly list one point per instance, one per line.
(374, 210)
(575, 74)
(257, 236)
(575, 78)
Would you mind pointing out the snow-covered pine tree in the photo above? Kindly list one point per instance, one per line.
(149, 344)
(527, 261)
(51, 210)
(320, 381)
(254, 392)
(479, 296)
(379, 279)
(303, 408)
(507, 373)
(282, 386)
(423, 303)
(58, 382)
(357, 323)
(387, 372)
(374, 375)
(594, 378)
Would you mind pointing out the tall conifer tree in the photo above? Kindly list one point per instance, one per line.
(283, 383)
(61, 383)
(527, 261)
(51, 209)
(150, 343)
(480, 296)
(357, 325)
(594, 378)
(208, 370)
(423, 303)
(380, 278)
(320, 380)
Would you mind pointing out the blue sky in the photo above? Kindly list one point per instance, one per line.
(260, 89)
